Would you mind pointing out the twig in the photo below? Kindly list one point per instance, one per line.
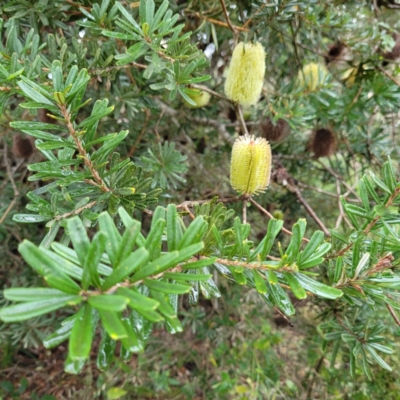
(244, 211)
(252, 17)
(269, 215)
(97, 71)
(217, 22)
(215, 94)
(194, 202)
(75, 212)
(393, 314)
(139, 138)
(389, 76)
(294, 189)
(337, 176)
(227, 17)
(82, 152)
(240, 117)
(15, 189)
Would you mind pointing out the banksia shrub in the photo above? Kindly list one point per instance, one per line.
(275, 133)
(250, 165)
(245, 75)
(200, 97)
(322, 143)
(312, 76)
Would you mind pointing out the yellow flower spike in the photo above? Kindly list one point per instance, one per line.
(200, 97)
(312, 76)
(245, 76)
(250, 165)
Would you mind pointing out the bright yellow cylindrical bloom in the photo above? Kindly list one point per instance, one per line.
(250, 165)
(312, 76)
(245, 75)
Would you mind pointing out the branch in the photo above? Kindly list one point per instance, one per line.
(82, 152)
(216, 22)
(387, 73)
(231, 27)
(75, 212)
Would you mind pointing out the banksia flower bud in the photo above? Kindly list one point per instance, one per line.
(275, 133)
(200, 97)
(312, 76)
(250, 165)
(322, 143)
(245, 75)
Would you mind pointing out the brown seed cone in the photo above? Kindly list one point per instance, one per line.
(274, 133)
(22, 147)
(394, 54)
(336, 51)
(322, 143)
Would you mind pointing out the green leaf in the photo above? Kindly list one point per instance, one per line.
(318, 288)
(259, 282)
(138, 301)
(316, 258)
(30, 90)
(377, 357)
(174, 231)
(79, 238)
(92, 260)
(204, 262)
(280, 297)
(61, 334)
(113, 325)
(32, 294)
(294, 284)
(24, 311)
(154, 239)
(295, 242)
(151, 315)
(105, 355)
(115, 393)
(157, 266)
(193, 233)
(265, 246)
(316, 239)
(127, 243)
(30, 218)
(80, 341)
(131, 343)
(137, 260)
(166, 287)
(108, 302)
(114, 238)
(73, 366)
(45, 266)
(187, 277)
(379, 183)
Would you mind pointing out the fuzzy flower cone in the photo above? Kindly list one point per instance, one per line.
(250, 165)
(245, 75)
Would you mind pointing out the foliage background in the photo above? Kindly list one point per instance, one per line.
(212, 357)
